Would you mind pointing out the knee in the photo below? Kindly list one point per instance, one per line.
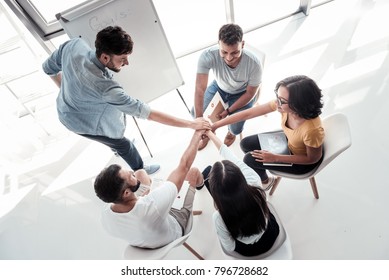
(143, 177)
(124, 146)
(248, 159)
(194, 177)
(244, 145)
(192, 112)
(237, 128)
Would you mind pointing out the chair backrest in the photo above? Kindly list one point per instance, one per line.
(337, 138)
(137, 253)
(281, 248)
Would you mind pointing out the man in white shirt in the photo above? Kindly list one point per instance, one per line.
(148, 221)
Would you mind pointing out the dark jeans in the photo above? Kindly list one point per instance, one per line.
(124, 147)
(251, 143)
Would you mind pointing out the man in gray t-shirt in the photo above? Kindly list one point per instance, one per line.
(238, 75)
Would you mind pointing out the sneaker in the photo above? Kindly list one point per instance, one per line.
(270, 183)
(203, 143)
(205, 177)
(229, 139)
(151, 169)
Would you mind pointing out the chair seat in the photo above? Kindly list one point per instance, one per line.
(137, 253)
(293, 176)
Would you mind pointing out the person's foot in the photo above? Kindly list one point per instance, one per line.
(203, 143)
(269, 184)
(229, 139)
(151, 169)
(205, 177)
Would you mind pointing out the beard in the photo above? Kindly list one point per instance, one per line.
(112, 67)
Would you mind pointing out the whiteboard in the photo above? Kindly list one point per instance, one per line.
(152, 69)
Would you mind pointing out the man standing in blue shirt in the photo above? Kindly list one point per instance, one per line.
(91, 104)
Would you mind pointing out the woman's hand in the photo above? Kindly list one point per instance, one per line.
(264, 156)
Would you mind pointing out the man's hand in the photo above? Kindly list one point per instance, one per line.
(201, 124)
(223, 114)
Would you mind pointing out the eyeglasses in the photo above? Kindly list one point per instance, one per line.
(280, 101)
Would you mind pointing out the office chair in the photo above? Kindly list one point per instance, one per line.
(281, 249)
(337, 139)
(137, 253)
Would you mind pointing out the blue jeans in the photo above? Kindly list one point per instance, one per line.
(229, 99)
(124, 147)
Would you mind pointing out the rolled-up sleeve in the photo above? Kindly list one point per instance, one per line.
(53, 64)
(117, 97)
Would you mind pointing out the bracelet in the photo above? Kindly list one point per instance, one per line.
(228, 111)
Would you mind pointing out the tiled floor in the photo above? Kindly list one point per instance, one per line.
(343, 45)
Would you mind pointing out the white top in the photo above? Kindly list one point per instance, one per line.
(148, 224)
(253, 179)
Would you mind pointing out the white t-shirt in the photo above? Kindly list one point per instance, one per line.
(148, 224)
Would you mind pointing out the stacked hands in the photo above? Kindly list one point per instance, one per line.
(203, 125)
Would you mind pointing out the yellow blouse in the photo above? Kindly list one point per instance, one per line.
(310, 133)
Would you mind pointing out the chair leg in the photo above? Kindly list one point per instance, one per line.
(186, 245)
(273, 189)
(314, 187)
(241, 136)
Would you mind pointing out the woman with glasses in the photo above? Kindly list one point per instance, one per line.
(299, 100)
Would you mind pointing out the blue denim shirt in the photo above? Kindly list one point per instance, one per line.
(90, 101)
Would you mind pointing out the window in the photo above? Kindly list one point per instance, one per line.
(41, 13)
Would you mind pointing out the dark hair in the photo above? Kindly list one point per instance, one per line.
(242, 207)
(113, 40)
(108, 185)
(304, 96)
(230, 34)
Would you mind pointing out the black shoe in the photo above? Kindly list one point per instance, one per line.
(205, 177)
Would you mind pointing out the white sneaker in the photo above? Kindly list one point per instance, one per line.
(270, 183)
(151, 169)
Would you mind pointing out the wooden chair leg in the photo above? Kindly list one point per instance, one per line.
(273, 189)
(314, 187)
(186, 245)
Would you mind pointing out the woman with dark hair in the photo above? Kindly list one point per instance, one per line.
(243, 221)
(298, 99)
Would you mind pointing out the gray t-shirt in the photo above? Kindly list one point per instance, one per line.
(231, 80)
